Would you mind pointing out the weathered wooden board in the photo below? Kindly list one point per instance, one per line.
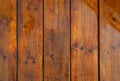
(84, 40)
(109, 40)
(56, 40)
(8, 40)
(70, 27)
(30, 40)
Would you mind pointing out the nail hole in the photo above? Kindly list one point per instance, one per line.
(51, 55)
(90, 51)
(0, 20)
(4, 57)
(38, 45)
(25, 62)
(108, 52)
(33, 62)
(36, 8)
(82, 48)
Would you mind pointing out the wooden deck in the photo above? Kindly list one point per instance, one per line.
(59, 40)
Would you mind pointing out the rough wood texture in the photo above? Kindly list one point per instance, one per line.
(67, 36)
(56, 40)
(30, 40)
(7, 40)
(110, 40)
(84, 40)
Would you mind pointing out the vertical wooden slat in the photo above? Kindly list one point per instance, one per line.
(84, 40)
(7, 40)
(56, 40)
(109, 40)
(30, 40)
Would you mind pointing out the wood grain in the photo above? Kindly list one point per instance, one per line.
(56, 40)
(109, 40)
(84, 40)
(30, 40)
(7, 40)
(70, 29)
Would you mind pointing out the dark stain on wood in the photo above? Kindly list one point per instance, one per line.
(29, 24)
(90, 51)
(26, 62)
(75, 46)
(52, 35)
(82, 48)
(4, 57)
(113, 18)
(32, 6)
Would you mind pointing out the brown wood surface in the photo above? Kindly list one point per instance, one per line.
(56, 40)
(84, 40)
(7, 40)
(109, 40)
(30, 40)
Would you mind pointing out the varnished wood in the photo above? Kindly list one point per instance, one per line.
(30, 40)
(109, 40)
(84, 40)
(70, 44)
(56, 40)
(7, 40)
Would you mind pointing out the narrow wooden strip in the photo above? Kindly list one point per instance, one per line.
(56, 40)
(109, 40)
(7, 40)
(30, 40)
(84, 40)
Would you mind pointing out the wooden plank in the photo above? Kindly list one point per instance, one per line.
(30, 40)
(84, 40)
(56, 40)
(7, 40)
(109, 40)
